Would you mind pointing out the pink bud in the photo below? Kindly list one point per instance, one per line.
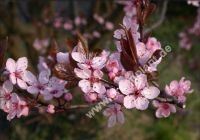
(111, 75)
(109, 25)
(111, 93)
(51, 109)
(68, 97)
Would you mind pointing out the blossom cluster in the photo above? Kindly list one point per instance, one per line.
(99, 74)
(186, 41)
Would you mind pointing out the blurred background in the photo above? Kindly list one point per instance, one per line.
(31, 25)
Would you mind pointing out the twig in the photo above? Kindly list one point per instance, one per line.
(161, 19)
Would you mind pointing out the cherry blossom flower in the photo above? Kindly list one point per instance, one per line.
(17, 108)
(80, 21)
(58, 22)
(99, 19)
(111, 93)
(129, 24)
(37, 85)
(68, 25)
(109, 25)
(179, 89)
(90, 80)
(68, 97)
(51, 109)
(41, 44)
(62, 57)
(129, 7)
(97, 62)
(184, 42)
(164, 109)
(91, 97)
(5, 95)
(42, 65)
(114, 114)
(194, 2)
(55, 88)
(137, 92)
(96, 34)
(16, 71)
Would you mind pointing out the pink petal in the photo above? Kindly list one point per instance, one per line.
(10, 65)
(22, 84)
(159, 113)
(79, 57)
(141, 103)
(107, 112)
(150, 92)
(44, 77)
(7, 86)
(112, 120)
(140, 81)
(126, 87)
(32, 90)
(99, 88)
(84, 74)
(98, 74)
(29, 78)
(85, 86)
(129, 102)
(120, 117)
(62, 57)
(172, 108)
(22, 63)
(12, 78)
(98, 62)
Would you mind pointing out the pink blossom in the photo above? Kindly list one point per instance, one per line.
(58, 22)
(194, 2)
(109, 25)
(42, 65)
(55, 88)
(98, 18)
(179, 89)
(41, 44)
(91, 97)
(37, 85)
(129, 24)
(17, 107)
(97, 62)
(62, 57)
(137, 92)
(184, 42)
(96, 34)
(164, 109)
(153, 44)
(5, 95)
(80, 21)
(68, 97)
(68, 25)
(111, 93)
(16, 71)
(51, 109)
(114, 114)
(90, 80)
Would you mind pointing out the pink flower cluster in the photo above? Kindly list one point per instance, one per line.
(101, 75)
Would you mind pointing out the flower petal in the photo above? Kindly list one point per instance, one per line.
(150, 92)
(32, 90)
(126, 87)
(79, 57)
(30, 78)
(120, 117)
(84, 74)
(112, 120)
(10, 65)
(7, 86)
(141, 103)
(129, 101)
(44, 77)
(22, 84)
(22, 63)
(85, 86)
(99, 88)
